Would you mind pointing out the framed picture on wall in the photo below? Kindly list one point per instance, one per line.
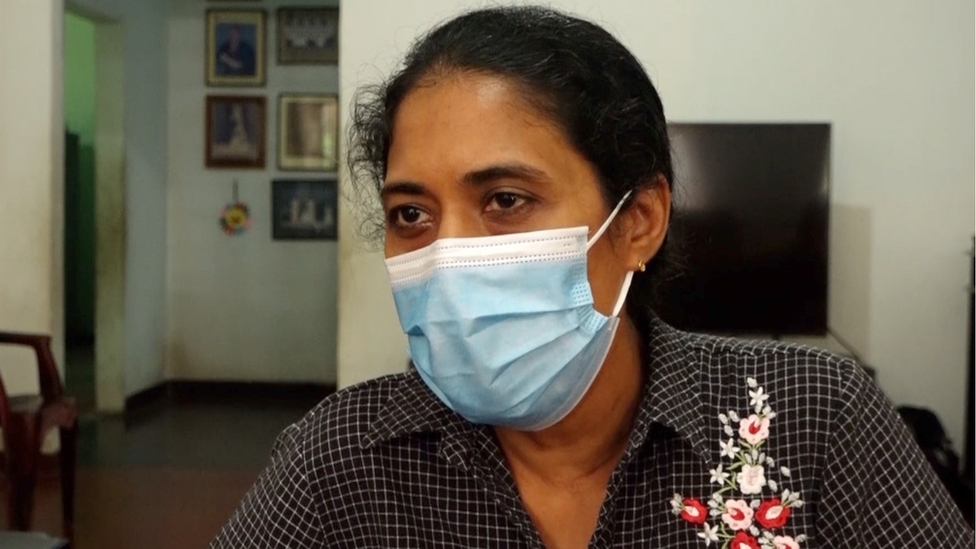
(308, 36)
(235, 131)
(308, 127)
(235, 47)
(304, 209)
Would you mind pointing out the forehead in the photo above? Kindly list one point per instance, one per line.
(458, 121)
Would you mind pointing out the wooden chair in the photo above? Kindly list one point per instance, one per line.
(25, 420)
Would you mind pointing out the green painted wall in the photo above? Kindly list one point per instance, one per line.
(79, 203)
(79, 77)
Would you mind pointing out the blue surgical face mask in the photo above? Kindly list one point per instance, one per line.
(502, 328)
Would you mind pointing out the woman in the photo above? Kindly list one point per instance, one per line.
(522, 162)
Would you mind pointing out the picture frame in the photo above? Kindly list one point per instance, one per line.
(308, 128)
(305, 209)
(308, 36)
(236, 47)
(235, 131)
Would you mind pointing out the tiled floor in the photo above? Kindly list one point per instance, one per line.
(170, 477)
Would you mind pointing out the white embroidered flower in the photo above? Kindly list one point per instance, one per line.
(729, 449)
(751, 381)
(751, 479)
(785, 542)
(758, 397)
(754, 429)
(718, 475)
(709, 534)
(677, 503)
(738, 514)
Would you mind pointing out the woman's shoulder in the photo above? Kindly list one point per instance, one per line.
(355, 419)
(798, 391)
(350, 412)
(808, 388)
(778, 363)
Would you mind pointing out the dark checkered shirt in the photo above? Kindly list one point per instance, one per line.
(811, 455)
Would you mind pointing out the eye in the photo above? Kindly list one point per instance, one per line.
(407, 216)
(502, 201)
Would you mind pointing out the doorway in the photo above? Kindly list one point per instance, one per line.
(94, 211)
(79, 209)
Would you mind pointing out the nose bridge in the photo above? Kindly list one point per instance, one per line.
(458, 221)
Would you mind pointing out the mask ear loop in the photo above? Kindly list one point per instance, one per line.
(622, 297)
(603, 228)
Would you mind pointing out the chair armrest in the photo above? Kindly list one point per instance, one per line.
(47, 370)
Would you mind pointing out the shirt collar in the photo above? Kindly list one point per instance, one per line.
(410, 409)
(672, 397)
(672, 388)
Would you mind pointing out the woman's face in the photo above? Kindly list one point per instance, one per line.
(469, 158)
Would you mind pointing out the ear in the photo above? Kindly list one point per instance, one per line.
(646, 222)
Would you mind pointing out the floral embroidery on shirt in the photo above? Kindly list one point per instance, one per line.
(732, 518)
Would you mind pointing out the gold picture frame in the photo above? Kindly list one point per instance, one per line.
(308, 132)
(236, 48)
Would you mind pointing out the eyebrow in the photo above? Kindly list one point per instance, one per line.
(511, 170)
(402, 187)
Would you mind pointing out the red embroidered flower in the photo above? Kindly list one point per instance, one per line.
(772, 514)
(743, 540)
(694, 512)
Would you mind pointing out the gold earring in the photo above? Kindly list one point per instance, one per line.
(640, 266)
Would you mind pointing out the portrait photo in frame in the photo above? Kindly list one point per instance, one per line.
(308, 36)
(235, 131)
(236, 47)
(304, 209)
(308, 127)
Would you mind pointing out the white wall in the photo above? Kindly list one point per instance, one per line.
(242, 308)
(145, 80)
(896, 80)
(31, 183)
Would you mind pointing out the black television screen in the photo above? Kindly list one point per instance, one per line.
(751, 218)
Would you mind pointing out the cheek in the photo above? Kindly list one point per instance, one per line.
(606, 272)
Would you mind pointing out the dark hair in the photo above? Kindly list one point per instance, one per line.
(571, 70)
